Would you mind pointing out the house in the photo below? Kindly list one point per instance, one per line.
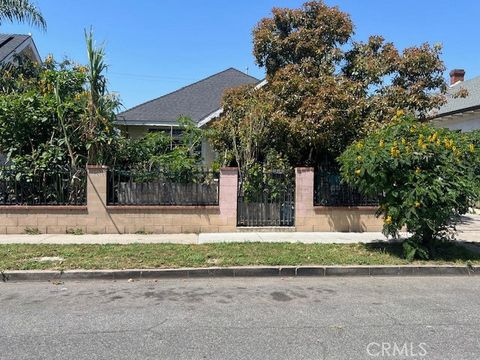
(200, 101)
(460, 113)
(16, 44)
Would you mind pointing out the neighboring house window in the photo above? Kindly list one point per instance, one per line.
(175, 138)
(174, 133)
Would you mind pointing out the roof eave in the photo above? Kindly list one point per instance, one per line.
(145, 123)
(218, 112)
(454, 112)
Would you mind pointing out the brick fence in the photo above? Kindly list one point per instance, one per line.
(98, 217)
(328, 218)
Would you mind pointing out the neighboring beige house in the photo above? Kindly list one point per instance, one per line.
(460, 113)
(200, 101)
(16, 44)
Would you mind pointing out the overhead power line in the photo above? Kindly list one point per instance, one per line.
(147, 76)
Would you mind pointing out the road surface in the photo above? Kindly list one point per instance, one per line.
(261, 318)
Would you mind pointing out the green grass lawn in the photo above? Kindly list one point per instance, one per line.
(25, 256)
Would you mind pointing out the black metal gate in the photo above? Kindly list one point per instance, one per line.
(267, 203)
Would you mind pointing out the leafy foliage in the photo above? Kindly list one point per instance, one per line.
(31, 133)
(426, 178)
(153, 151)
(271, 179)
(325, 90)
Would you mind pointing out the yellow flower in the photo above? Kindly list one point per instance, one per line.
(404, 141)
(358, 172)
(359, 158)
(471, 148)
(417, 204)
(388, 220)
(49, 59)
(418, 170)
(381, 143)
(394, 151)
(433, 137)
(448, 143)
(359, 145)
(400, 113)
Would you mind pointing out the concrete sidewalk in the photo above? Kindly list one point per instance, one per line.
(204, 238)
(468, 231)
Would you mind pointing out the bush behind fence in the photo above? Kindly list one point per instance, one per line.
(330, 191)
(62, 186)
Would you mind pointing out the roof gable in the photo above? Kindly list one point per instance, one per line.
(11, 44)
(197, 100)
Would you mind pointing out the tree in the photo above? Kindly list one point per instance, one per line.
(21, 11)
(326, 90)
(31, 129)
(245, 128)
(425, 179)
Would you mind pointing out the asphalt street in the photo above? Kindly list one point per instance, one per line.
(249, 318)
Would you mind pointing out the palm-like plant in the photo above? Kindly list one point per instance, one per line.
(21, 11)
(100, 112)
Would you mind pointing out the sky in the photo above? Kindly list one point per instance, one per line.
(157, 46)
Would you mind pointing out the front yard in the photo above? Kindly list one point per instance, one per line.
(65, 257)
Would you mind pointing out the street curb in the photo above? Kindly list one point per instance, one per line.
(244, 271)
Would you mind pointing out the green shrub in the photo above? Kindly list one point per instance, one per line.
(425, 178)
(74, 231)
(32, 231)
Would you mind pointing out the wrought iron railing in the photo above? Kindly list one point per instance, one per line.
(158, 187)
(270, 202)
(63, 186)
(329, 190)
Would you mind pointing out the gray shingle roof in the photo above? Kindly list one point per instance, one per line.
(455, 105)
(196, 101)
(9, 42)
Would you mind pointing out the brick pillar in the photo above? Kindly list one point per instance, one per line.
(97, 198)
(228, 198)
(304, 198)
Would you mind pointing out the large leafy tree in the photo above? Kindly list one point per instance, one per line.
(325, 89)
(245, 129)
(21, 11)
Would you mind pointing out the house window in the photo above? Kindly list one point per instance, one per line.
(174, 132)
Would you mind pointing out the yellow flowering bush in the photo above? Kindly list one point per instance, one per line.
(427, 178)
